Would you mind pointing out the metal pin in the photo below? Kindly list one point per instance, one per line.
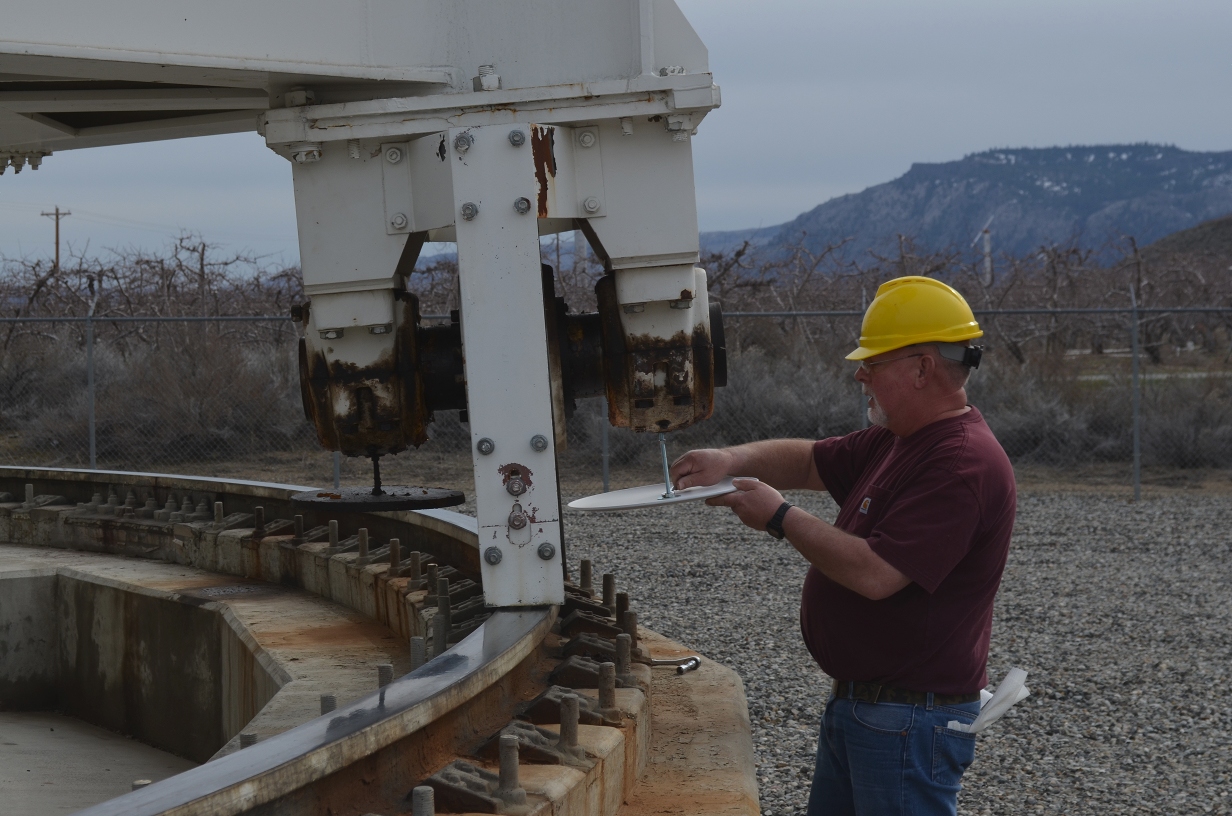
(588, 577)
(395, 556)
(138, 784)
(667, 473)
(629, 624)
(258, 527)
(333, 534)
(624, 645)
(442, 600)
(569, 720)
(688, 665)
(384, 674)
(248, 739)
(432, 568)
(29, 494)
(218, 513)
(509, 789)
(423, 801)
(363, 543)
(607, 686)
(416, 573)
(609, 592)
(419, 652)
(299, 529)
(328, 703)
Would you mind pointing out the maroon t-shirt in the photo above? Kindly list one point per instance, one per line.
(939, 507)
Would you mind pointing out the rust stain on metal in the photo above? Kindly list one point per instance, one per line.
(513, 469)
(543, 151)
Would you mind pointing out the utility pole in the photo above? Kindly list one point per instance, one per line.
(57, 215)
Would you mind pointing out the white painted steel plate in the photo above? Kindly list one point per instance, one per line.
(650, 495)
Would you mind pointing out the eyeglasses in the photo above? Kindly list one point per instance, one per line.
(867, 367)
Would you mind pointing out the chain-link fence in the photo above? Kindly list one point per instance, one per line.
(1066, 389)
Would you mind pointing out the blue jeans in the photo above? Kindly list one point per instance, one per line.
(879, 759)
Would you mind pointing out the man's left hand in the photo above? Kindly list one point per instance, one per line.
(753, 501)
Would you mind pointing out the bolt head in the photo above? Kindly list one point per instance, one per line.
(398, 221)
(539, 443)
(591, 205)
(463, 142)
(547, 551)
(393, 155)
(522, 206)
(485, 446)
(517, 520)
(469, 210)
(515, 486)
(586, 138)
(493, 555)
(517, 138)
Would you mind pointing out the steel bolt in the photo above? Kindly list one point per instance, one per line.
(248, 739)
(515, 486)
(547, 551)
(442, 598)
(591, 205)
(509, 789)
(384, 674)
(218, 517)
(440, 635)
(609, 592)
(416, 569)
(622, 605)
(463, 142)
(607, 686)
(393, 155)
(569, 720)
(493, 555)
(353, 149)
(521, 205)
(30, 494)
(517, 138)
(517, 519)
(469, 210)
(395, 556)
(328, 703)
(624, 652)
(419, 652)
(423, 801)
(138, 784)
(588, 577)
(398, 221)
(299, 528)
(485, 446)
(258, 516)
(333, 534)
(586, 138)
(363, 542)
(539, 443)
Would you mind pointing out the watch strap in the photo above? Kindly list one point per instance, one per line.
(775, 525)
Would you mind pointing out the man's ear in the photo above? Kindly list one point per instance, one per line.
(926, 371)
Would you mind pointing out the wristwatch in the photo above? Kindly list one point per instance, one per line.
(775, 525)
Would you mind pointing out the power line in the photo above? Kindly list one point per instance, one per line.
(57, 215)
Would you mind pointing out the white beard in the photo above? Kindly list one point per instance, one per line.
(875, 413)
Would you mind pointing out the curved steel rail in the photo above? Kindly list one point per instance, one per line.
(294, 759)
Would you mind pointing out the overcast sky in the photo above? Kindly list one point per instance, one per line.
(819, 99)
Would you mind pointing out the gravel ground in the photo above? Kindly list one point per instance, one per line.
(1119, 612)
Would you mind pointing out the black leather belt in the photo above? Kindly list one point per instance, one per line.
(874, 693)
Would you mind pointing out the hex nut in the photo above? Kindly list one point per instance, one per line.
(517, 520)
(547, 551)
(463, 142)
(398, 221)
(522, 206)
(515, 486)
(393, 155)
(517, 138)
(587, 138)
(591, 205)
(539, 443)
(485, 446)
(469, 210)
(493, 555)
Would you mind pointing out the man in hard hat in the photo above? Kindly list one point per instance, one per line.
(897, 603)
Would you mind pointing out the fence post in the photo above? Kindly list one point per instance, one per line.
(90, 384)
(1137, 398)
(606, 450)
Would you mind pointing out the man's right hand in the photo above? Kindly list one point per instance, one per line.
(701, 468)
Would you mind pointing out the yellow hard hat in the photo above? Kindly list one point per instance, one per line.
(914, 310)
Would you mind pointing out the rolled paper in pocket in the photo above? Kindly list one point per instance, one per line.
(1013, 689)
